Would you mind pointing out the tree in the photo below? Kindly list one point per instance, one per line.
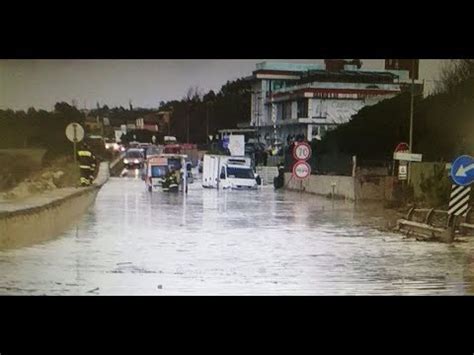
(454, 73)
(65, 111)
(31, 112)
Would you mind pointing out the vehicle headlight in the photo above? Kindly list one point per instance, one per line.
(136, 161)
(125, 161)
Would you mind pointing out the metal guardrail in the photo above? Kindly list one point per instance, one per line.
(434, 224)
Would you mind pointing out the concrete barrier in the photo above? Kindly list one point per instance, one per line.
(342, 186)
(45, 216)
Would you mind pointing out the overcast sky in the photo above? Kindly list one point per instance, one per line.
(42, 83)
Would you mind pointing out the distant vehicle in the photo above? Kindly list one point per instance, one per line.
(144, 145)
(152, 150)
(172, 149)
(111, 144)
(228, 172)
(170, 140)
(133, 144)
(133, 159)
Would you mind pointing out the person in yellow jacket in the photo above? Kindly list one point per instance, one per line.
(87, 165)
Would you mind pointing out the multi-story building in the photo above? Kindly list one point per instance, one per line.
(310, 99)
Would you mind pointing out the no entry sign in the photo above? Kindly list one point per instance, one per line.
(302, 151)
(301, 170)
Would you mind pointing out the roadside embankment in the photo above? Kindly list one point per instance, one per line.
(44, 216)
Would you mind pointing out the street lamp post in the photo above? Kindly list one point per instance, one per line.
(412, 99)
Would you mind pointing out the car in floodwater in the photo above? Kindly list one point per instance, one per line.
(134, 159)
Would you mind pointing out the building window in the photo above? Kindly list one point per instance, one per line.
(286, 110)
(302, 108)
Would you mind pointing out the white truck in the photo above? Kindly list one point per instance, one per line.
(228, 172)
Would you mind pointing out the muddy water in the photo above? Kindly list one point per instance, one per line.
(232, 242)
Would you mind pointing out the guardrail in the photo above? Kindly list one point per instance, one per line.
(434, 224)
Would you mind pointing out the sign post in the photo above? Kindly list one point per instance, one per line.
(462, 174)
(301, 169)
(75, 133)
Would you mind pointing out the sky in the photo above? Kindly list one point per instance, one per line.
(42, 83)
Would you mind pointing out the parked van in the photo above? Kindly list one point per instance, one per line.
(228, 172)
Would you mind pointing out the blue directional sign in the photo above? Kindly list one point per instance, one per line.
(462, 170)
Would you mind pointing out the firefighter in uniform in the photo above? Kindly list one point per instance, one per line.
(87, 164)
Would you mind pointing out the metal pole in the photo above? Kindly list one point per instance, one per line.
(207, 122)
(412, 99)
(74, 140)
(75, 154)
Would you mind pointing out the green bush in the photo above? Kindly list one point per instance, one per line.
(436, 188)
(15, 169)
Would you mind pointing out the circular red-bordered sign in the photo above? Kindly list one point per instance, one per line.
(402, 147)
(302, 151)
(301, 170)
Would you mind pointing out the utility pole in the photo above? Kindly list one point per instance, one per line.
(207, 121)
(410, 143)
(187, 123)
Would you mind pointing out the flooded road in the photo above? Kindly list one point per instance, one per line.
(132, 242)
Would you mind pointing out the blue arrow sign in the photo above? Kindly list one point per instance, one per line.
(462, 170)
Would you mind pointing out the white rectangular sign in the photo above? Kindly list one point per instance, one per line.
(407, 156)
(402, 172)
(237, 145)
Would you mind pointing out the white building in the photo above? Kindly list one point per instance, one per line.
(309, 99)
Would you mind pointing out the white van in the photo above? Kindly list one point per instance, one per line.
(228, 172)
(157, 167)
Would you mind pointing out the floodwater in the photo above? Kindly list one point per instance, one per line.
(265, 242)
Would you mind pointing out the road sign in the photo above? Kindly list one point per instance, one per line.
(75, 132)
(407, 156)
(301, 170)
(302, 151)
(402, 147)
(459, 200)
(462, 170)
(237, 144)
(402, 172)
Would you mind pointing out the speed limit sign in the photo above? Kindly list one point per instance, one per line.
(302, 151)
(301, 170)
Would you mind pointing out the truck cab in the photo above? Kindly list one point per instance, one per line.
(227, 172)
(237, 177)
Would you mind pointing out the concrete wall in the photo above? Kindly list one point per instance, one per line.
(322, 185)
(373, 184)
(44, 217)
(376, 188)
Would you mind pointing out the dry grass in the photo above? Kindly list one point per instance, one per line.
(20, 176)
